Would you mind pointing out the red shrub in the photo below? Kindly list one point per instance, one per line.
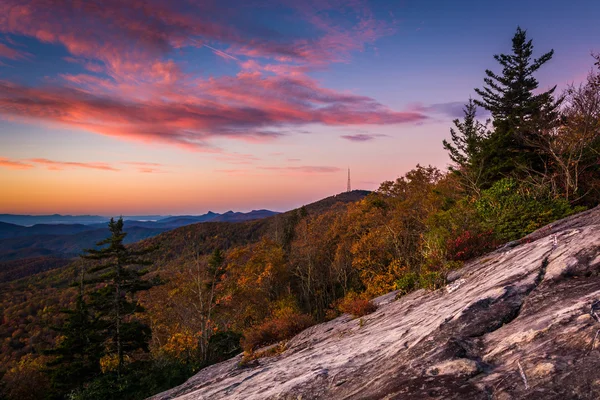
(275, 330)
(357, 306)
(467, 245)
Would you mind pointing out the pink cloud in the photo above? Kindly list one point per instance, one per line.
(118, 33)
(232, 171)
(308, 169)
(146, 170)
(13, 164)
(244, 108)
(13, 54)
(135, 91)
(143, 164)
(60, 165)
(146, 167)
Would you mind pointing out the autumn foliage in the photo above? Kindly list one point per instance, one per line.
(356, 306)
(469, 244)
(275, 330)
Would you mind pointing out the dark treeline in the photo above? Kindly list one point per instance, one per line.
(137, 322)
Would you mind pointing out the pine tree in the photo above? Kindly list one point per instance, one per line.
(114, 303)
(518, 113)
(78, 351)
(215, 270)
(596, 81)
(466, 147)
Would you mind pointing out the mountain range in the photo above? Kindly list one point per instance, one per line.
(98, 220)
(61, 237)
(28, 250)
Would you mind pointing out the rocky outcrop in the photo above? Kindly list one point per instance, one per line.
(519, 323)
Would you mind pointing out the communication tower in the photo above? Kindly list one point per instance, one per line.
(349, 188)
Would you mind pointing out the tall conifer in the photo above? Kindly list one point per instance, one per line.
(519, 114)
(465, 148)
(119, 279)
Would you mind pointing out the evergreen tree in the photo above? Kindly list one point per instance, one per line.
(114, 303)
(78, 351)
(466, 147)
(216, 268)
(519, 114)
(596, 81)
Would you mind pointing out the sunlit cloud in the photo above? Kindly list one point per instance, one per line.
(60, 165)
(11, 53)
(231, 171)
(54, 165)
(146, 167)
(132, 89)
(14, 164)
(308, 169)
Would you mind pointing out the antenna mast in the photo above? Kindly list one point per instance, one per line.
(349, 189)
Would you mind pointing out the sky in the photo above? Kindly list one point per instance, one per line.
(184, 106)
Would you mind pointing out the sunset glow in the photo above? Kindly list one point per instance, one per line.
(188, 106)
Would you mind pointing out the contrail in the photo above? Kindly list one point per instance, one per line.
(221, 53)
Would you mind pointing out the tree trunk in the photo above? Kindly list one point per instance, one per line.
(118, 320)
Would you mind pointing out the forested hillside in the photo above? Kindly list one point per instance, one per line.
(31, 307)
(212, 290)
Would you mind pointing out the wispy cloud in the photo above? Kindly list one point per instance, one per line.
(146, 167)
(132, 87)
(11, 53)
(60, 165)
(308, 169)
(143, 164)
(453, 109)
(221, 53)
(362, 137)
(54, 165)
(244, 108)
(231, 171)
(14, 164)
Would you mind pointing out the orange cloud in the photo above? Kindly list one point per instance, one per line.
(60, 165)
(13, 164)
(146, 167)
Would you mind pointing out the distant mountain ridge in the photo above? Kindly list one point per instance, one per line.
(26, 250)
(153, 221)
(28, 220)
(65, 240)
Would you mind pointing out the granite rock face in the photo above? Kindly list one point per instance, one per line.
(522, 322)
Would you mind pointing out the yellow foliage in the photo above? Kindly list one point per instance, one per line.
(182, 345)
(26, 380)
(285, 307)
(109, 363)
